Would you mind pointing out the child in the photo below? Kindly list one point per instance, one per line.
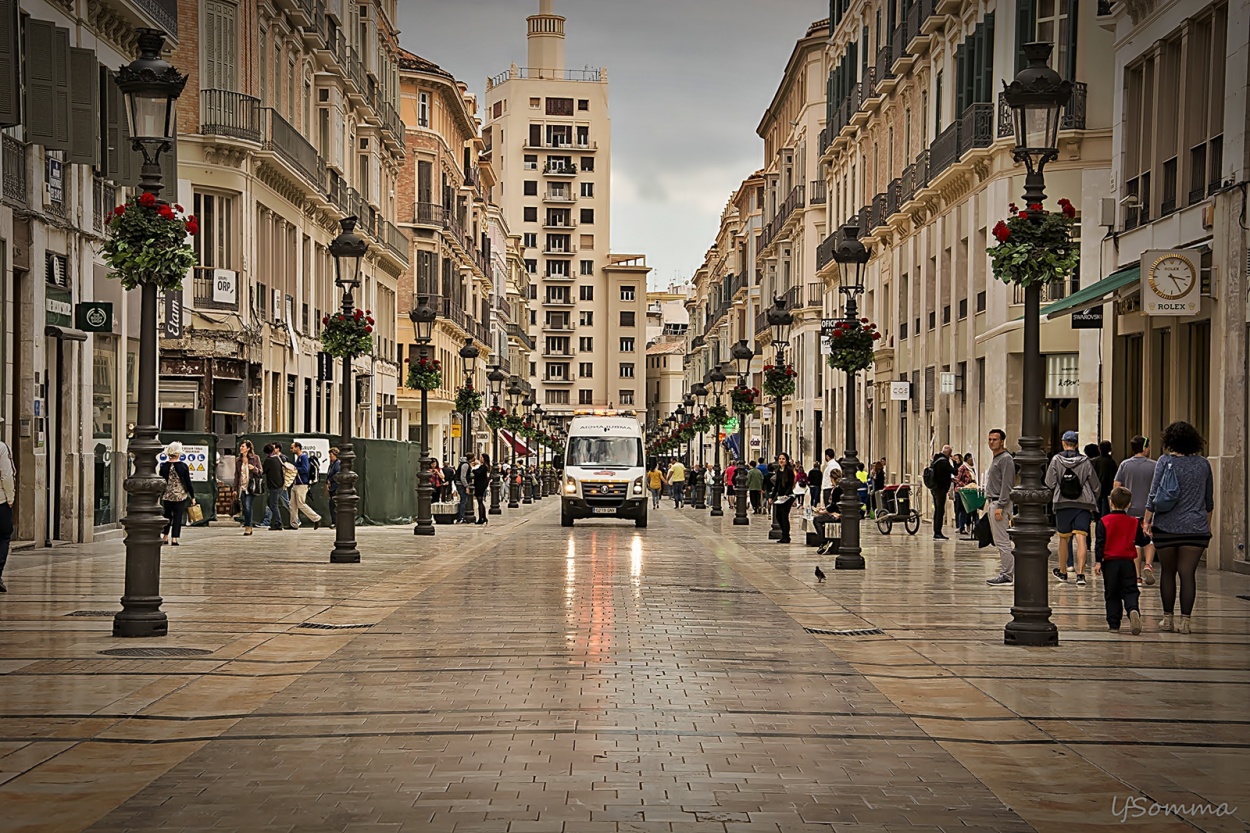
(1116, 540)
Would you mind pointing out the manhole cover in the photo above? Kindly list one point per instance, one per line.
(847, 632)
(321, 626)
(99, 613)
(722, 590)
(156, 652)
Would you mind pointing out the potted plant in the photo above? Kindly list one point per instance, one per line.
(778, 381)
(1035, 245)
(496, 417)
(852, 345)
(346, 336)
(425, 374)
(743, 399)
(145, 242)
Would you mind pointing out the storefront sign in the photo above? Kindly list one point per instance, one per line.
(173, 314)
(1170, 282)
(318, 449)
(1087, 319)
(900, 391)
(94, 316)
(225, 286)
(1063, 377)
(58, 307)
(946, 384)
(325, 367)
(196, 458)
(826, 335)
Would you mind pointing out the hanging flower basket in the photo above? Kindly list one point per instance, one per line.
(718, 415)
(513, 422)
(346, 336)
(1035, 246)
(743, 399)
(778, 381)
(702, 424)
(852, 345)
(496, 417)
(468, 400)
(145, 242)
(425, 374)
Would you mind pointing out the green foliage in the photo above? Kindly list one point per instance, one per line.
(1035, 246)
(743, 399)
(718, 415)
(852, 344)
(425, 374)
(346, 336)
(145, 242)
(468, 400)
(779, 381)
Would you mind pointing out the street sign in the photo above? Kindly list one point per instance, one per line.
(1088, 319)
(455, 430)
(173, 314)
(826, 336)
(900, 391)
(946, 383)
(325, 367)
(318, 448)
(94, 316)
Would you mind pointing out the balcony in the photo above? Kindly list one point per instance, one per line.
(566, 225)
(792, 202)
(292, 147)
(1051, 292)
(162, 13)
(430, 214)
(515, 331)
(393, 239)
(558, 380)
(560, 251)
(558, 276)
(901, 59)
(558, 301)
(893, 197)
(559, 198)
(918, 39)
(13, 164)
(816, 294)
(550, 352)
(559, 170)
(977, 128)
(886, 78)
(393, 123)
(816, 192)
(202, 290)
(557, 326)
(226, 113)
(945, 149)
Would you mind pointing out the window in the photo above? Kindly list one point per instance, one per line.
(531, 266)
(536, 102)
(583, 104)
(556, 397)
(586, 318)
(627, 397)
(585, 397)
(530, 240)
(531, 214)
(627, 293)
(423, 109)
(587, 293)
(588, 215)
(497, 110)
(588, 189)
(531, 188)
(586, 344)
(981, 301)
(963, 308)
(946, 314)
(627, 318)
(588, 267)
(588, 164)
(221, 33)
(627, 370)
(214, 245)
(627, 345)
(587, 241)
(586, 370)
(559, 106)
(531, 162)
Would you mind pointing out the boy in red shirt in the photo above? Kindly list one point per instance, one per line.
(1116, 540)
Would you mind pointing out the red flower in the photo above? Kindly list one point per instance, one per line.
(863, 320)
(147, 200)
(1024, 215)
(876, 336)
(1002, 231)
(358, 315)
(1069, 211)
(369, 320)
(192, 226)
(325, 319)
(1013, 208)
(368, 329)
(1036, 207)
(119, 210)
(368, 312)
(179, 207)
(166, 212)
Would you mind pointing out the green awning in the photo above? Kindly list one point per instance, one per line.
(1093, 295)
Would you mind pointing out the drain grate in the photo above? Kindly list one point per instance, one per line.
(322, 626)
(847, 632)
(723, 590)
(152, 653)
(98, 613)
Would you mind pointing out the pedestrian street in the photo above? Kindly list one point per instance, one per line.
(691, 676)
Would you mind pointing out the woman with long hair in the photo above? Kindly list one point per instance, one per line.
(481, 482)
(783, 494)
(248, 481)
(1178, 518)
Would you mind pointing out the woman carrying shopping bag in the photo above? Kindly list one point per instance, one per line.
(178, 490)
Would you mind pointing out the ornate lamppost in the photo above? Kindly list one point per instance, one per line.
(540, 477)
(495, 380)
(150, 86)
(528, 491)
(1036, 96)
(423, 318)
(742, 355)
(468, 362)
(348, 249)
(698, 393)
(780, 319)
(851, 256)
(514, 401)
(717, 380)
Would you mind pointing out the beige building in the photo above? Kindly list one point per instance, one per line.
(667, 324)
(550, 134)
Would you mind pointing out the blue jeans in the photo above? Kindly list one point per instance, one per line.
(465, 503)
(245, 503)
(677, 490)
(277, 498)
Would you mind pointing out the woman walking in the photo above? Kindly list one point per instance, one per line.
(332, 483)
(655, 482)
(966, 476)
(783, 495)
(1178, 518)
(178, 490)
(481, 482)
(248, 481)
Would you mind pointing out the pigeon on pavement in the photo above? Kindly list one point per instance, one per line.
(820, 575)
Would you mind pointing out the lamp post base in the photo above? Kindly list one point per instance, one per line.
(140, 624)
(849, 562)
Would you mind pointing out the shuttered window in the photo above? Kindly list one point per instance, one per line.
(220, 45)
(84, 107)
(40, 82)
(10, 103)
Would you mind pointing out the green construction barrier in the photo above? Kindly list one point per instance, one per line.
(200, 455)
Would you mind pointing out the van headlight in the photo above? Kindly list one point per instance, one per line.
(570, 486)
(638, 486)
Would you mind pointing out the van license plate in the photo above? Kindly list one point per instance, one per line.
(604, 510)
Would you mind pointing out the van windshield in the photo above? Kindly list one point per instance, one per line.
(610, 452)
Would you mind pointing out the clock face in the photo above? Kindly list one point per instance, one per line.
(1172, 277)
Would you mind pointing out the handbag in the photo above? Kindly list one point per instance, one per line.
(985, 535)
(195, 514)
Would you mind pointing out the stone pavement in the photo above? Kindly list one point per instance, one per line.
(524, 677)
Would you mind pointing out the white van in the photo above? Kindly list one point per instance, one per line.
(604, 468)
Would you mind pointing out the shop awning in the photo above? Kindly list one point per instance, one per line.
(1093, 295)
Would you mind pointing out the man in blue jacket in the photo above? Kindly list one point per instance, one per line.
(299, 489)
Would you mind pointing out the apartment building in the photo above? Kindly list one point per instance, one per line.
(550, 133)
(444, 200)
(68, 385)
(917, 154)
(289, 122)
(667, 324)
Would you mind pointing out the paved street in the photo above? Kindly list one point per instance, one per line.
(523, 677)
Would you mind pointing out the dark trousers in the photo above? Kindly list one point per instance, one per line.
(757, 499)
(173, 517)
(275, 509)
(480, 494)
(1119, 588)
(781, 511)
(334, 512)
(939, 510)
(6, 533)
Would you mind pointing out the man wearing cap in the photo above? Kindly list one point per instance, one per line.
(8, 494)
(1074, 487)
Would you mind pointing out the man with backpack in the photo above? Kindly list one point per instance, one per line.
(937, 479)
(305, 476)
(1074, 486)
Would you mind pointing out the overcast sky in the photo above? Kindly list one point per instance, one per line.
(688, 80)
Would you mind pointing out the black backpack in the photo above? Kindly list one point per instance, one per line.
(927, 477)
(313, 468)
(1070, 485)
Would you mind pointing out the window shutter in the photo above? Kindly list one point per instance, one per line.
(84, 108)
(1026, 26)
(129, 160)
(929, 387)
(40, 82)
(10, 106)
(112, 148)
(169, 168)
(987, 40)
(60, 80)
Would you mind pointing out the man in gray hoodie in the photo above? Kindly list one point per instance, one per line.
(998, 482)
(1074, 486)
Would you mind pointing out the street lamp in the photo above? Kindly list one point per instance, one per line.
(742, 355)
(1036, 97)
(717, 380)
(514, 400)
(851, 256)
(468, 363)
(495, 380)
(698, 393)
(540, 486)
(780, 319)
(528, 404)
(688, 414)
(151, 86)
(423, 318)
(348, 249)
